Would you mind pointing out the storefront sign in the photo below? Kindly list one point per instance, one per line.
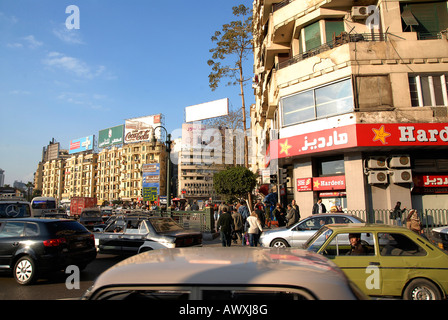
(329, 183)
(376, 135)
(304, 184)
(431, 181)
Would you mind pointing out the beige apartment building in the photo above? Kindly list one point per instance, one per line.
(112, 174)
(351, 99)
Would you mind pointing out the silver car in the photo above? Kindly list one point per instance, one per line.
(234, 273)
(298, 234)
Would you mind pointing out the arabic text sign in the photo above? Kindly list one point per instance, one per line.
(304, 184)
(431, 181)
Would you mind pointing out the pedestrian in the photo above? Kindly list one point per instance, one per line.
(261, 216)
(195, 206)
(413, 222)
(259, 205)
(292, 217)
(243, 210)
(225, 225)
(254, 229)
(239, 226)
(319, 207)
(296, 208)
(397, 213)
(279, 214)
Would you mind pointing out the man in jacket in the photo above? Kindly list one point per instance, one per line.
(292, 216)
(225, 226)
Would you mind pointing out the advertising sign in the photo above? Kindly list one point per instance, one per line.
(81, 144)
(140, 129)
(110, 136)
(304, 184)
(431, 181)
(374, 135)
(207, 110)
(151, 181)
(329, 183)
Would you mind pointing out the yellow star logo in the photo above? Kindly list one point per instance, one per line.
(380, 134)
(316, 184)
(285, 148)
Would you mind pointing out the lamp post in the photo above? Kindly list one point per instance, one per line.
(168, 150)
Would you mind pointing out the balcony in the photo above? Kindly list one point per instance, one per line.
(339, 41)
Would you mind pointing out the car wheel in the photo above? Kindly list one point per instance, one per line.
(25, 270)
(421, 289)
(279, 243)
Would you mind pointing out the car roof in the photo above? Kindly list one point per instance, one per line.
(42, 220)
(365, 227)
(230, 267)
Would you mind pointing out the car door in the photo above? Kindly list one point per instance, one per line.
(364, 270)
(11, 233)
(133, 237)
(110, 240)
(305, 230)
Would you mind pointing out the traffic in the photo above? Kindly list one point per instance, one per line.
(365, 260)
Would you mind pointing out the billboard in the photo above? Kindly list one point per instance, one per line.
(81, 144)
(207, 110)
(110, 136)
(151, 181)
(140, 129)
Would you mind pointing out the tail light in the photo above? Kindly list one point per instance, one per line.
(54, 242)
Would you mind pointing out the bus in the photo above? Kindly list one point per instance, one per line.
(44, 206)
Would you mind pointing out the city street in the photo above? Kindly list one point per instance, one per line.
(55, 287)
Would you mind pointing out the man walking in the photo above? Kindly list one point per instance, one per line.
(225, 225)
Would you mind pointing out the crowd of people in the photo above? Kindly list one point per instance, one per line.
(239, 225)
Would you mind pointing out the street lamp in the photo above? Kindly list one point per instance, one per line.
(168, 150)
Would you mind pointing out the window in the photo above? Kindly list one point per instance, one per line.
(330, 166)
(427, 19)
(325, 101)
(429, 90)
(340, 245)
(396, 244)
(12, 229)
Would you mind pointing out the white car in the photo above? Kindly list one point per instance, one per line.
(298, 234)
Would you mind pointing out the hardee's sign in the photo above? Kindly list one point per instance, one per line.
(360, 135)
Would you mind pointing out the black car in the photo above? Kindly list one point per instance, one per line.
(130, 235)
(32, 247)
(90, 217)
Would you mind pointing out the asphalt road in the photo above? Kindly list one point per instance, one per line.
(55, 287)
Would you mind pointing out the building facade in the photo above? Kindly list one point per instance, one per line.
(351, 99)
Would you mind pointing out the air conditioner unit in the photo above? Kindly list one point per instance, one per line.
(377, 163)
(377, 177)
(400, 162)
(401, 176)
(360, 12)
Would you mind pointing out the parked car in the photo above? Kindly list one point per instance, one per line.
(235, 273)
(14, 208)
(90, 217)
(134, 234)
(440, 237)
(32, 247)
(386, 261)
(298, 234)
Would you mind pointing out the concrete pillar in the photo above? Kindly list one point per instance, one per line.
(303, 168)
(355, 182)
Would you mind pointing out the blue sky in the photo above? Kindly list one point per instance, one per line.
(128, 59)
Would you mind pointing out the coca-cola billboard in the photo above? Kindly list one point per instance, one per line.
(140, 129)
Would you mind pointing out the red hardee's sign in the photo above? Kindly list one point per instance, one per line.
(431, 181)
(360, 135)
(321, 183)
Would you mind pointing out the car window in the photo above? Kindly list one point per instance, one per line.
(116, 226)
(312, 224)
(14, 210)
(32, 229)
(341, 246)
(12, 229)
(164, 225)
(341, 220)
(136, 227)
(397, 244)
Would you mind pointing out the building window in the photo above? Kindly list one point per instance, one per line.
(330, 166)
(429, 90)
(428, 19)
(321, 102)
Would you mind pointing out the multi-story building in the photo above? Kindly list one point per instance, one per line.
(351, 99)
(108, 175)
(53, 178)
(80, 175)
(133, 156)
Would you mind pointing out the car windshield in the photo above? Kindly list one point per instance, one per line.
(316, 241)
(14, 210)
(65, 227)
(164, 225)
(91, 214)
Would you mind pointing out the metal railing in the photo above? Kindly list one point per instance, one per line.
(339, 40)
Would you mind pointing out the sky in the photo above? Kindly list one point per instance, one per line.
(126, 59)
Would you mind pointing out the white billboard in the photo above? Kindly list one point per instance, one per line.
(140, 129)
(207, 110)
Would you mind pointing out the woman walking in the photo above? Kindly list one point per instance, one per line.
(254, 229)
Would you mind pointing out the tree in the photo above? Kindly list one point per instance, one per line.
(234, 182)
(235, 40)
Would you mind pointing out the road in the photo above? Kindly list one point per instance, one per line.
(55, 288)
